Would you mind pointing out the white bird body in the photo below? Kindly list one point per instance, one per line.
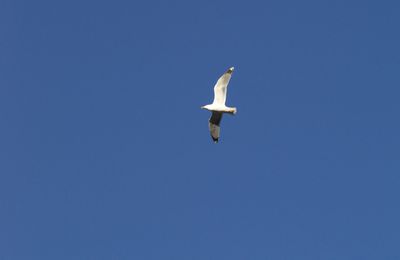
(218, 107)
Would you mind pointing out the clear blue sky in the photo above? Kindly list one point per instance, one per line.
(105, 152)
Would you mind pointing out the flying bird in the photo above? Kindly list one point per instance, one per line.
(218, 107)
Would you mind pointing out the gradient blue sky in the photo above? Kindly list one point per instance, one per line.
(105, 152)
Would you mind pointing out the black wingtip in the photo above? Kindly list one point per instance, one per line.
(215, 140)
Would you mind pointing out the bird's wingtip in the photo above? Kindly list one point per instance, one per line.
(230, 70)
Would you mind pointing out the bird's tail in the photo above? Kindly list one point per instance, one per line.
(232, 110)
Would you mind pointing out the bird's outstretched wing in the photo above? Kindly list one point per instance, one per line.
(213, 125)
(220, 88)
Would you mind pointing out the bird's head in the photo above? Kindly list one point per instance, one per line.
(207, 107)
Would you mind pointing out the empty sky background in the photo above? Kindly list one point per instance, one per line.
(105, 152)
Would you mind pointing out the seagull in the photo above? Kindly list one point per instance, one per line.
(218, 107)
